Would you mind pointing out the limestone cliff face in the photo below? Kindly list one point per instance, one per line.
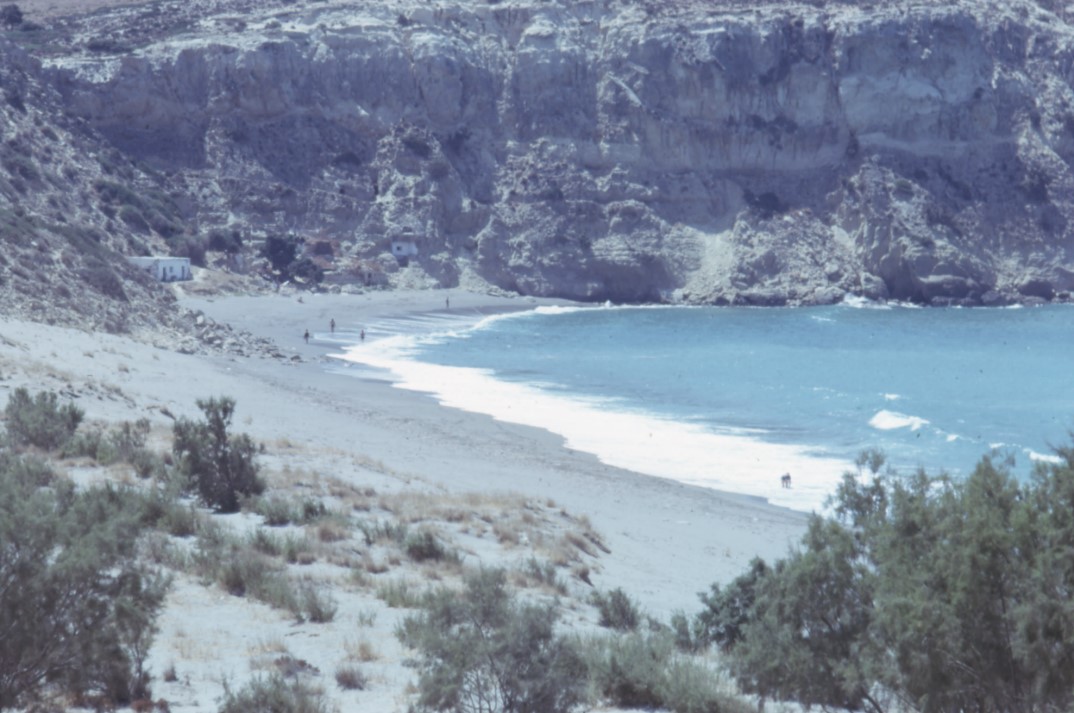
(763, 154)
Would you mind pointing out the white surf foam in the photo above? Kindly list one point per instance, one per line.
(734, 460)
(1043, 457)
(885, 420)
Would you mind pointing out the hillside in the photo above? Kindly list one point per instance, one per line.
(760, 154)
(768, 154)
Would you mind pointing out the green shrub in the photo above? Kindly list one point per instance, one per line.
(942, 594)
(276, 511)
(40, 420)
(423, 546)
(544, 573)
(644, 670)
(219, 465)
(29, 469)
(481, 651)
(242, 568)
(265, 542)
(398, 594)
(311, 511)
(146, 463)
(129, 438)
(628, 671)
(318, 605)
(11, 15)
(134, 218)
(617, 610)
(275, 695)
(727, 610)
(351, 678)
(77, 609)
(383, 531)
(685, 639)
(87, 443)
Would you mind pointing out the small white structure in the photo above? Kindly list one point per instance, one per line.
(404, 248)
(165, 269)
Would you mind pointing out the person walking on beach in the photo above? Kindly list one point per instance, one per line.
(332, 325)
(306, 336)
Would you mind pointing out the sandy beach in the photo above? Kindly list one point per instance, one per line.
(665, 541)
(669, 541)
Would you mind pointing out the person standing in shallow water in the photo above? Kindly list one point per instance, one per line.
(332, 325)
(306, 336)
(362, 335)
(447, 303)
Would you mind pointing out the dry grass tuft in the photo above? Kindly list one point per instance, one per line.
(361, 650)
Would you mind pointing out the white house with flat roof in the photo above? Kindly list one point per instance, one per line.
(165, 269)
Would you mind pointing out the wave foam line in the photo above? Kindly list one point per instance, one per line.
(732, 462)
(885, 420)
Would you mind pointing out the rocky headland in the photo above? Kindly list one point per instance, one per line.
(717, 153)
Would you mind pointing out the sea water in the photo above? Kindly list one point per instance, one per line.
(733, 398)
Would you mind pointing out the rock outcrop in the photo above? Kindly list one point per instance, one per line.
(761, 153)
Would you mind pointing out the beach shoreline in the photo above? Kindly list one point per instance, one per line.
(669, 540)
(498, 494)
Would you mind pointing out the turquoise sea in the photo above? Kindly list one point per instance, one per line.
(732, 398)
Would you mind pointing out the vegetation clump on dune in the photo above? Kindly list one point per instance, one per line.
(922, 593)
(77, 603)
(919, 593)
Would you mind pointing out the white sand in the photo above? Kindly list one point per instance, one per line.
(668, 541)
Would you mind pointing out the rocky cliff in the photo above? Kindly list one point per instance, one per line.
(630, 150)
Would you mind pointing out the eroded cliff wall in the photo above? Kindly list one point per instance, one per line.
(761, 154)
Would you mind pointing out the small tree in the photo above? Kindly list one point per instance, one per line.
(40, 420)
(940, 594)
(11, 15)
(728, 610)
(219, 465)
(483, 653)
(281, 251)
(77, 609)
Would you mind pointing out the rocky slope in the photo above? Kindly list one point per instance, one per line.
(757, 153)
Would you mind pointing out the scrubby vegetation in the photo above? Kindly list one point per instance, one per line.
(645, 670)
(276, 694)
(481, 650)
(77, 605)
(40, 420)
(922, 594)
(221, 466)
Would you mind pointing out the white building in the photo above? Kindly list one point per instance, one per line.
(404, 248)
(165, 269)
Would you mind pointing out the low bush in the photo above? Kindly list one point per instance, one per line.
(617, 610)
(275, 694)
(643, 670)
(351, 678)
(242, 570)
(40, 420)
(276, 511)
(318, 605)
(398, 594)
(424, 546)
(383, 531)
(77, 608)
(544, 573)
(481, 651)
